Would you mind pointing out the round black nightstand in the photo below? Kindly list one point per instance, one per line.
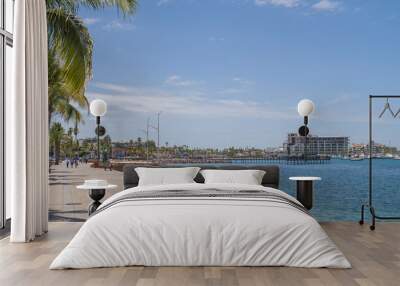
(96, 193)
(305, 190)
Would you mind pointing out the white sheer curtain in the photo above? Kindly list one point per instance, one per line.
(27, 124)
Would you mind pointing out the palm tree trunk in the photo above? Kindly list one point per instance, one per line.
(57, 151)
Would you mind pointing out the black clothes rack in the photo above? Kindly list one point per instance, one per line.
(369, 205)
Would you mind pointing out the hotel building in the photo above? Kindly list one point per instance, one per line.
(317, 145)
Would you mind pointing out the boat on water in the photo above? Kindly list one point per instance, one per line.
(356, 159)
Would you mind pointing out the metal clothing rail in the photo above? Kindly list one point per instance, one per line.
(369, 205)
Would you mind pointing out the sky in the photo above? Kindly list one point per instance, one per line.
(231, 72)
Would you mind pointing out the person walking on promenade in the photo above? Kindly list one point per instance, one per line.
(67, 162)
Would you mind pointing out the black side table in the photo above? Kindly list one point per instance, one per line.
(96, 194)
(305, 190)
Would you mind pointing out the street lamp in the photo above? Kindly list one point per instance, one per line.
(98, 108)
(305, 107)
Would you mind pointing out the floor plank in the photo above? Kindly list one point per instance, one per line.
(375, 257)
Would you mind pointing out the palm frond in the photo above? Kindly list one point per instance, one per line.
(125, 6)
(56, 131)
(67, 5)
(71, 41)
(70, 112)
(60, 94)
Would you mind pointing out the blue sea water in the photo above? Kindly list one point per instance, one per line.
(344, 187)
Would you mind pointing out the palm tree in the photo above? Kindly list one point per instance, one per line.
(67, 143)
(70, 60)
(61, 95)
(70, 54)
(69, 38)
(56, 136)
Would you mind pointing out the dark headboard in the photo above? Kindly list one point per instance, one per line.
(271, 177)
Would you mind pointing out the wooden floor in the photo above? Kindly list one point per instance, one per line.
(375, 257)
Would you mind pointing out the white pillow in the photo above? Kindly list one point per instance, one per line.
(166, 176)
(248, 177)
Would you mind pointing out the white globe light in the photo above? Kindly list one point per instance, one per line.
(305, 107)
(98, 107)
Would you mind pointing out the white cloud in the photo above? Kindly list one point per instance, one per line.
(240, 85)
(326, 5)
(91, 21)
(163, 2)
(242, 81)
(150, 100)
(111, 87)
(216, 39)
(118, 25)
(231, 91)
(177, 80)
(284, 3)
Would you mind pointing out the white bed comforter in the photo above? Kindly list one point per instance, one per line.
(211, 231)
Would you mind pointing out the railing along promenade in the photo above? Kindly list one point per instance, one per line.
(293, 160)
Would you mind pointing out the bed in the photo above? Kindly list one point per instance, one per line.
(199, 224)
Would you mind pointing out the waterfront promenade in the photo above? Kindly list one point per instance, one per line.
(337, 197)
(66, 202)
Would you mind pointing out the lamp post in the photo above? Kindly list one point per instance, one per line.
(157, 128)
(305, 107)
(98, 108)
